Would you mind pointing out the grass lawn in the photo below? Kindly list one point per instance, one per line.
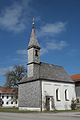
(16, 110)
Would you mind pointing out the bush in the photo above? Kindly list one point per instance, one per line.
(73, 104)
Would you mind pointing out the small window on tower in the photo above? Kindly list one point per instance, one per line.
(36, 53)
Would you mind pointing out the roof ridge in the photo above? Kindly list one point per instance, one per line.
(51, 64)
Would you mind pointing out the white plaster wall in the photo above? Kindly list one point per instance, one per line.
(9, 99)
(32, 58)
(37, 58)
(49, 89)
(30, 70)
(29, 108)
(30, 55)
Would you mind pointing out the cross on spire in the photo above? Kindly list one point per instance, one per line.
(33, 22)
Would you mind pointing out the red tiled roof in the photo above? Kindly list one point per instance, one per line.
(76, 77)
(8, 90)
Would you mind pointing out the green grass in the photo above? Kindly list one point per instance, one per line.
(9, 110)
(16, 110)
(57, 111)
(67, 111)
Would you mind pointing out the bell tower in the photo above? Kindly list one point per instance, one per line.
(33, 52)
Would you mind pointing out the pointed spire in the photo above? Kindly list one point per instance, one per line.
(33, 40)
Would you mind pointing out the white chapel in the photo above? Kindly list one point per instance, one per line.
(46, 86)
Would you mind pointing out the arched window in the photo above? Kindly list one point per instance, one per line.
(36, 52)
(66, 95)
(57, 95)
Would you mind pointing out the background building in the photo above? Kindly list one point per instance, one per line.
(8, 97)
(76, 79)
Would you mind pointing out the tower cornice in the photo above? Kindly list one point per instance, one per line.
(33, 47)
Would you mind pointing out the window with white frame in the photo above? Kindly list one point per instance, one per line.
(15, 102)
(2, 102)
(11, 102)
(57, 94)
(66, 95)
(7, 103)
(2, 96)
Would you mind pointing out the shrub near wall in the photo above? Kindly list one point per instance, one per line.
(73, 104)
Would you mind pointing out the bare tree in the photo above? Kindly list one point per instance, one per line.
(14, 76)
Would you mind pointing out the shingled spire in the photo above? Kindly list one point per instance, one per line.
(33, 40)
